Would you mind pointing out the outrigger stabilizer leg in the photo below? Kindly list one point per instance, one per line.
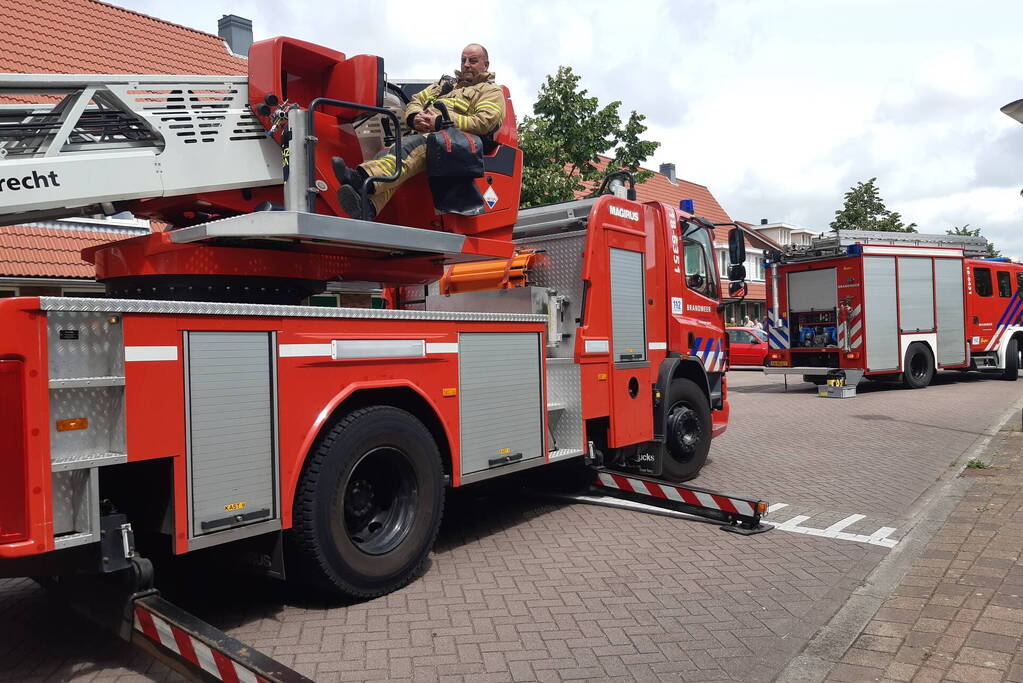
(737, 515)
(127, 602)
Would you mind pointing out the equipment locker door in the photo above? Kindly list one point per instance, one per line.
(631, 414)
(880, 313)
(230, 396)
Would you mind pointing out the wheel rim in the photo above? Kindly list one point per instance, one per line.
(918, 366)
(379, 500)
(685, 430)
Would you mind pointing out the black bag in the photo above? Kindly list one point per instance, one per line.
(453, 153)
(453, 159)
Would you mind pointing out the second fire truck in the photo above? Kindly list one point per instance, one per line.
(893, 306)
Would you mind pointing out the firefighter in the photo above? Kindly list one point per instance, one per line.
(474, 102)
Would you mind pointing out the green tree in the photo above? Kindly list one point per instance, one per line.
(967, 231)
(561, 141)
(865, 210)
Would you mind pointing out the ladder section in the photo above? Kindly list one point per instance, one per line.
(90, 140)
(842, 244)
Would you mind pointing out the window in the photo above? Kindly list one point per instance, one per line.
(1004, 284)
(1019, 282)
(982, 276)
(699, 277)
(759, 334)
(4, 293)
(740, 337)
(698, 254)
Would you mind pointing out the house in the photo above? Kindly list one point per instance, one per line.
(785, 234)
(665, 186)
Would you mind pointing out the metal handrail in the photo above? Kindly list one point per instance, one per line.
(311, 141)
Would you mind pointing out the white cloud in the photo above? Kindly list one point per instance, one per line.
(778, 106)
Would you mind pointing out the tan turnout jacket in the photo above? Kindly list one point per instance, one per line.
(475, 106)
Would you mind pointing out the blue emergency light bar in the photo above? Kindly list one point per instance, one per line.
(688, 205)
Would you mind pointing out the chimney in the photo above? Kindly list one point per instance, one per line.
(668, 171)
(763, 221)
(237, 33)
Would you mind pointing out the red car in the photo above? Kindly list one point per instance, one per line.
(748, 346)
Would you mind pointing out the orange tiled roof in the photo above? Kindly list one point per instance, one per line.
(659, 189)
(29, 251)
(88, 36)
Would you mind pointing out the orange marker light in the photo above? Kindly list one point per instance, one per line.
(448, 392)
(72, 424)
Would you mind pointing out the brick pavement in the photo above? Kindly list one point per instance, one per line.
(958, 613)
(520, 589)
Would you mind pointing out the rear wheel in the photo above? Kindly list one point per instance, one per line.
(368, 506)
(1012, 360)
(918, 367)
(688, 431)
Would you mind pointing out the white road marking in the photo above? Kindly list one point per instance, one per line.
(794, 525)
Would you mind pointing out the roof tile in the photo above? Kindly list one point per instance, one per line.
(30, 251)
(88, 36)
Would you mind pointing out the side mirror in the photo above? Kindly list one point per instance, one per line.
(737, 289)
(736, 248)
(736, 272)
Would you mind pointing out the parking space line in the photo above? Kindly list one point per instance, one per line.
(794, 525)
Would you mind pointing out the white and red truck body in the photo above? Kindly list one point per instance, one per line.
(196, 418)
(857, 302)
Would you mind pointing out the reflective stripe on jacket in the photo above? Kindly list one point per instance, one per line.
(476, 107)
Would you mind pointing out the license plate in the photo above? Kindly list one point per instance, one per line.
(780, 363)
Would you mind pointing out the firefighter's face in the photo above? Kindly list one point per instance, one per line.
(473, 62)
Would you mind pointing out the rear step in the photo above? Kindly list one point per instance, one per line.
(737, 514)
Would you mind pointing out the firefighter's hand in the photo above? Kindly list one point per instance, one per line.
(425, 122)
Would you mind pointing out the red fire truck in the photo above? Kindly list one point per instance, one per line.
(201, 406)
(893, 306)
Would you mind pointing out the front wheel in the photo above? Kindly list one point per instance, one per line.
(688, 431)
(368, 505)
(918, 367)
(1012, 361)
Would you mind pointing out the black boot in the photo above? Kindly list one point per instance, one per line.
(346, 176)
(351, 201)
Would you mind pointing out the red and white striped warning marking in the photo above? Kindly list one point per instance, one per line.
(215, 663)
(715, 501)
(850, 333)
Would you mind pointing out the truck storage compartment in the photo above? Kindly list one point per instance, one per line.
(231, 440)
(814, 330)
(501, 403)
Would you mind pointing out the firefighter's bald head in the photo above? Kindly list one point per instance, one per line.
(475, 61)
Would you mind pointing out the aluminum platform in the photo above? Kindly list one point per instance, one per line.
(396, 240)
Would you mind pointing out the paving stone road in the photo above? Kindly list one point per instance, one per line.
(526, 589)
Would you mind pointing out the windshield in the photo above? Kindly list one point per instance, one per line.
(699, 260)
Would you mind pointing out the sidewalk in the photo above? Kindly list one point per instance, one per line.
(958, 613)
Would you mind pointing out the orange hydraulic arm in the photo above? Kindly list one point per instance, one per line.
(487, 275)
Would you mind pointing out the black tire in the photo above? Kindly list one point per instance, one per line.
(816, 380)
(917, 367)
(688, 431)
(368, 505)
(1012, 361)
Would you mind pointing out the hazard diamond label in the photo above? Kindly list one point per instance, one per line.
(490, 197)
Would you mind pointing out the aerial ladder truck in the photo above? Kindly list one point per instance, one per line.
(200, 405)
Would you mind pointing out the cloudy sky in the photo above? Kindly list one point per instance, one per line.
(778, 106)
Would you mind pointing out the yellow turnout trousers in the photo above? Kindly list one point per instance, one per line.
(413, 161)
